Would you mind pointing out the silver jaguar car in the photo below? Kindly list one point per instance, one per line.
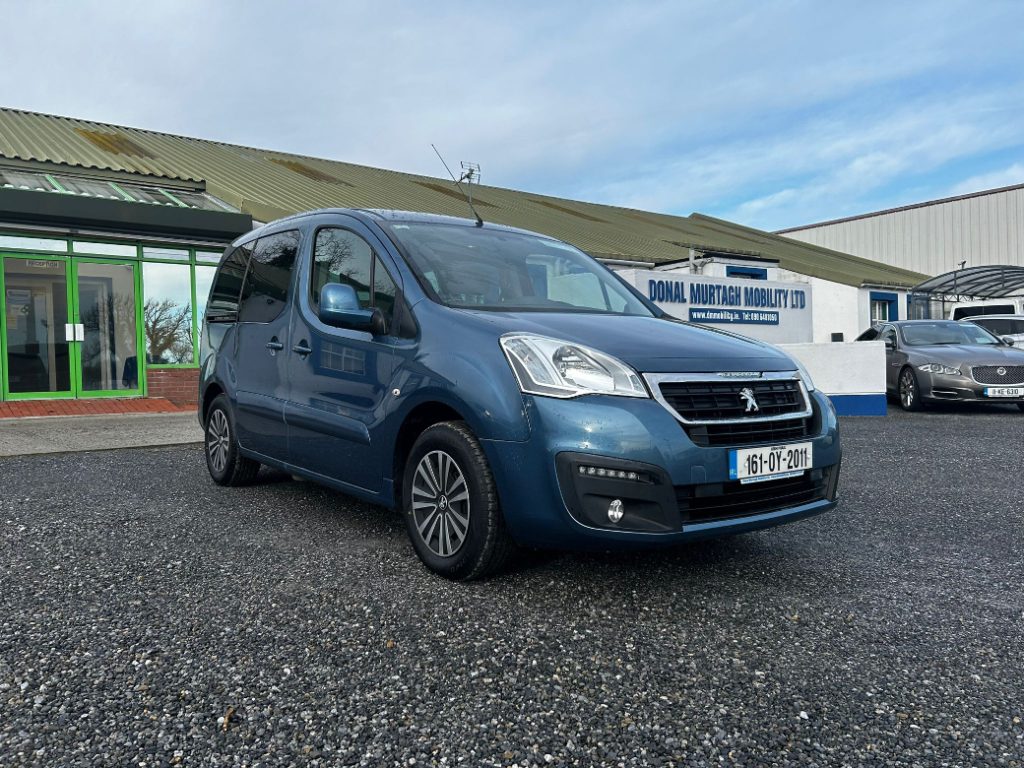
(933, 360)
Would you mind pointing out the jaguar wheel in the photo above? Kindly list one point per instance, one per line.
(910, 392)
(226, 464)
(451, 505)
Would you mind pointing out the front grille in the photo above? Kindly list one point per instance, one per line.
(716, 400)
(988, 374)
(714, 413)
(721, 501)
(748, 433)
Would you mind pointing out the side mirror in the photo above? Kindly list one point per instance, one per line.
(339, 308)
(1008, 340)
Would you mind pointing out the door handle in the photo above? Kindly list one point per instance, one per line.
(302, 348)
(275, 345)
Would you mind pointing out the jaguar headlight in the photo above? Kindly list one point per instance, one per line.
(939, 368)
(556, 368)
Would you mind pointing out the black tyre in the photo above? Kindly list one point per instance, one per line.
(1021, 406)
(225, 462)
(909, 391)
(451, 505)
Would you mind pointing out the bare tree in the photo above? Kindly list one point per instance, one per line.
(168, 331)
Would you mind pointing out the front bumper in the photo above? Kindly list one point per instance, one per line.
(943, 387)
(685, 492)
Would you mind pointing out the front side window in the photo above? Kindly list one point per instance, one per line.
(341, 256)
(888, 335)
(268, 282)
(227, 286)
(491, 269)
(167, 313)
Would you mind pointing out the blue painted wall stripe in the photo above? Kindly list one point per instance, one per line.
(860, 405)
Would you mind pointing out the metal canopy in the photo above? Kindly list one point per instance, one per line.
(991, 282)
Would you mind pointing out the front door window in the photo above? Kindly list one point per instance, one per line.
(39, 333)
(109, 353)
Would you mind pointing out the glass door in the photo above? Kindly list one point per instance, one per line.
(108, 328)
(37, 340)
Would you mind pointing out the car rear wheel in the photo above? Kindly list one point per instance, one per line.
(226, 464)
(451, 505)
(910, 393)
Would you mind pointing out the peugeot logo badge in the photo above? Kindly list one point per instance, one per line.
(1001, 371)
(747, 396)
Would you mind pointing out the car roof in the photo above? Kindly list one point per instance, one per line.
(994, 317)
(382, 215)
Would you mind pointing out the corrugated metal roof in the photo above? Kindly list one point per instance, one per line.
(269, 184)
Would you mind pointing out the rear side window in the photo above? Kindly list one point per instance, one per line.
(340, 256)
(227, 286)
(268, 283)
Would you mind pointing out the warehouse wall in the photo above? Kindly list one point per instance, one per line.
(933, 239)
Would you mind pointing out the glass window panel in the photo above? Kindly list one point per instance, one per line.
(204, 279)
(384, 292)
(197, 200)
(175, 254)
(108, 355)
(38, 334)
(88, 187)
(24, 180)
(167, 313)
(209, 257)
(268, 282)
(227, 286)
(122, 250)
(17, 243)
(147, 195)
(341, 256)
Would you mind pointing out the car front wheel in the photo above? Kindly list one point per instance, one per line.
(226, 464)
(910, 392)
(451, 505)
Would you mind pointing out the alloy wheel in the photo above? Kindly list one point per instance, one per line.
(907, 393)
(218, 436)
(440, 503)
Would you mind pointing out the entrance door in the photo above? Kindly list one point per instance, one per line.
(70, 328)
(38, 340)
(107, 315)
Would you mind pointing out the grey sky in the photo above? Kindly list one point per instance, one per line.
(772, 114)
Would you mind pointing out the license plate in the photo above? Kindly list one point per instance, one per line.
(758, 465)
(1004, 391)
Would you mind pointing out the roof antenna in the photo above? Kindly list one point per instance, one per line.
(468, 176)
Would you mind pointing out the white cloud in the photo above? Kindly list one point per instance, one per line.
(1005, 177)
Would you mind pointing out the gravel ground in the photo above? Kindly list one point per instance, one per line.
(150, 618)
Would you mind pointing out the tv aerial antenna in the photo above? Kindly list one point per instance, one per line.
(470, 173)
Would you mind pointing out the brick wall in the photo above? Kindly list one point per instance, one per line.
(179, 385)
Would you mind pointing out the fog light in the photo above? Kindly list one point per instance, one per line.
(616, 511)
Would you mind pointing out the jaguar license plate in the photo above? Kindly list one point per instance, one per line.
(758, 465)
(1004, 391)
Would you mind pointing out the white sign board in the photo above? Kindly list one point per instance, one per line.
(762, 309)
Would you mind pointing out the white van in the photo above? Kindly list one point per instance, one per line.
(967, 309)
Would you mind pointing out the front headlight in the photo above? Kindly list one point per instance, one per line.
(556, 368)
(808, 381)
(939, 368)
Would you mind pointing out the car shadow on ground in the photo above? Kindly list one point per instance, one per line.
(959, 408)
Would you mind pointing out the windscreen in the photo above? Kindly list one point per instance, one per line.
(478, 268)
(929, 334)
